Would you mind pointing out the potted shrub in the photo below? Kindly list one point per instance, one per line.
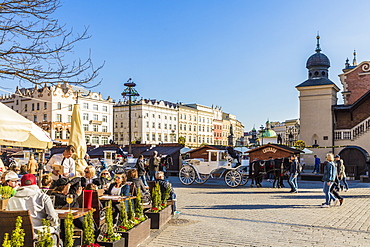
(88, 234)
(5, 193)
(134, 226)
(68, 230)
(160, 213)
(44, 238)
(110, 238)
(17, 238)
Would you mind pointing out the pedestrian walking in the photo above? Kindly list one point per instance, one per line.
(317, 164)
(330, 173)
(341, 173)
(154, 163)
(293, 177)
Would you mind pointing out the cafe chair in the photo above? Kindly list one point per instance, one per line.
(7, 223)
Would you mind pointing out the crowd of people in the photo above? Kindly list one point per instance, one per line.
(60, 181)
(334, 175)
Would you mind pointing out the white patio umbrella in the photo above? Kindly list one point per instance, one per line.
(77, 139)
(241, 149)
(16, 130)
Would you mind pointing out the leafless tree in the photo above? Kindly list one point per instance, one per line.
(33, 45)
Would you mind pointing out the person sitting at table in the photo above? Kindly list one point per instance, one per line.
(66, 168)
(29, 197)
(118, 188)
(61, 190)
(105, 179)
(11, 179)
(46, 182)
(89, 177)
(163, 184)
(132, 175)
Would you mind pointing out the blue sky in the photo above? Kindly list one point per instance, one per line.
(246, 56)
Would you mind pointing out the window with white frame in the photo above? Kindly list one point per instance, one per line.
(105, 108)
(95, 127)
(104, 140)
(104, 128)
(104, 118)
(153, 137)
(159, 125)
(95, 140)
(95, 117)
(85, 116)
(69, 119)
(159, 137)
(59, 117)
(59, 106)
(165, 126)
(85, 106)
(147, 124)
(147, 137)
(153, 125)
(165, 138)
(95, 107)
(87, 139)
(86, 127)
(69, 107)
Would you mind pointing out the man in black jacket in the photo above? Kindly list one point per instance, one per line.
(293, 177)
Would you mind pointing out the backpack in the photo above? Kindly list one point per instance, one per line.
(299, 167)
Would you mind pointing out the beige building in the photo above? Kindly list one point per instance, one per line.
(153, 122)
(51, 107)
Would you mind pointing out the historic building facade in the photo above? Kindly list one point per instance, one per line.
(152, 122)
(341, 129)
(155, 122)
(50, 107)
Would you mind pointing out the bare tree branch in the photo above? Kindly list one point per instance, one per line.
(33, 45)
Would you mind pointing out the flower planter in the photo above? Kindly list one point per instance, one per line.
(3, 203)
(137, 235)
(160, 218)
(118, 243)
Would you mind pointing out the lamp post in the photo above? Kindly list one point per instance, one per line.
(127, 94)
(262, 131)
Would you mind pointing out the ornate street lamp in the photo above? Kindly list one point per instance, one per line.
(127, 94)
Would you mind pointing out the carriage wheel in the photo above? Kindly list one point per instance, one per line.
(244, 180)
(233, 178)
(187, 175)
(202, 178)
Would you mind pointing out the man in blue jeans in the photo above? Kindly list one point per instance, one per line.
(317, 164)
(293, 170)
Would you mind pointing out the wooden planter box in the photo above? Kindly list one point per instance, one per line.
(118, 243)
(3, 203)
(137, 235)
(160, 218)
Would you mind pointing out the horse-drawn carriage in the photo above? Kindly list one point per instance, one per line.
(219, 164)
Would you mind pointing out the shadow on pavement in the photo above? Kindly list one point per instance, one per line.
(247, 207)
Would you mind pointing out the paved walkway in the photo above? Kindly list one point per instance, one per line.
(213, 214)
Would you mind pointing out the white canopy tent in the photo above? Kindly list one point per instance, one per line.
(16, 130)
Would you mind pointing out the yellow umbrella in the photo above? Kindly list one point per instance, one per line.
(77, 139)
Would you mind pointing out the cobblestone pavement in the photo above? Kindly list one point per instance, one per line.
(213, 214)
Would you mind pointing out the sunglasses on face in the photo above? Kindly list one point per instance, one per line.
(105, 173)
(117, 178)
(86, 171)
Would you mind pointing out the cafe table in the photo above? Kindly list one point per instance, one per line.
(76, 212)
(115, 198)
